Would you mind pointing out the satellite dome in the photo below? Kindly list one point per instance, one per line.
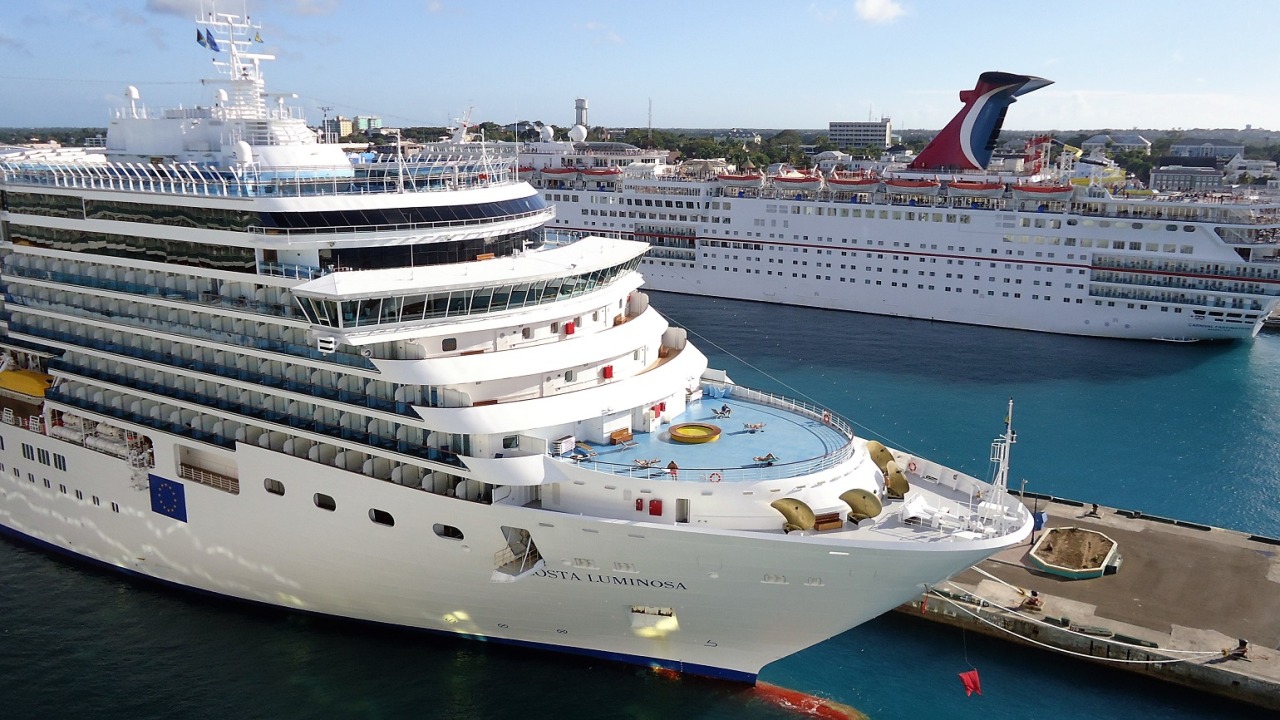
(577, 133)
(547, 133)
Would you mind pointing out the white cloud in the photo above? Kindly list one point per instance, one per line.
(879, 11)
(185, 9)
(602, 34)
(823, 15)
(315, 7)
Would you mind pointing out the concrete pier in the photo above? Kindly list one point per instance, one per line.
(1184, 593)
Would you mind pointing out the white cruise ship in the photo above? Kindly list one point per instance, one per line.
(234, 362)
(949, 237)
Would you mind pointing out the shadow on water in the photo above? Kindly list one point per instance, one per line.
(782, 335)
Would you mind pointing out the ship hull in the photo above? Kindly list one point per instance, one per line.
(733, 595)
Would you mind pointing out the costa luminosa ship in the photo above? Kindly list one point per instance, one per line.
(236, 363)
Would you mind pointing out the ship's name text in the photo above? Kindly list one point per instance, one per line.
(611, 579)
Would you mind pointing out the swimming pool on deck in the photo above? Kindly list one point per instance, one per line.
(759, 439)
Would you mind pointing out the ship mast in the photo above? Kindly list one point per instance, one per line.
(1000, 448)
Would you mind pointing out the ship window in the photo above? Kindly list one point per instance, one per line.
(324, 502)
(449, 344)
(95, 500)
(527, 333)
(381, 517)
(275, 487)
(447, 531)
(510, 442)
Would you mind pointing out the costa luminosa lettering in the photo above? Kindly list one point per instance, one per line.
(611, 579)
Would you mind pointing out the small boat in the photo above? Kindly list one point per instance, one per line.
(914, 186)
(975, 188)
(797, 181)
(1043, 192)
(850, 180)
(741, 179)
(560, 172)
(613, 172)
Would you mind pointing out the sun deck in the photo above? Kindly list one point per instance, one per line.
(762, 437)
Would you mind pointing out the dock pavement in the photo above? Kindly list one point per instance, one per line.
(1182, 598)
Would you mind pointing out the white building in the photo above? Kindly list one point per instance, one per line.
(1238, 166)
(871, 133)
(1117, 143)
(1206, 148)
(1178, 177)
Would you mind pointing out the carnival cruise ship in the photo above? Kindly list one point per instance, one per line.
(951, 236)
(235, 362)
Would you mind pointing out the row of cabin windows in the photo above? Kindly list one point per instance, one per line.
(62, 487)
(40, 455)
(379, 517)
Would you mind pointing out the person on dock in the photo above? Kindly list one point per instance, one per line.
(673, 469)
(1093, 511)
(1033, 603)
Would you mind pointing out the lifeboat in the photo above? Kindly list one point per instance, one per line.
(1043, 192)
(975, 188)
(797, 181)
(562, 172)
(612, 172)
(851, 181)
(525, 171)
(740, 180)
(916, 187)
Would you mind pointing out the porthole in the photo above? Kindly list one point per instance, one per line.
(447, 531)
(324, 502)
(275, 487)
(381, 517)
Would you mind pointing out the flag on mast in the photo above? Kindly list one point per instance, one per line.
(200, 38)
(213, 44)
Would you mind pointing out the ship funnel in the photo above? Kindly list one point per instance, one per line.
(967, 141)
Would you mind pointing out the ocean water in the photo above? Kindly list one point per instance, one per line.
(1180, 430)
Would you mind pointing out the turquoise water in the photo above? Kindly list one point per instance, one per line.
(1180, 430)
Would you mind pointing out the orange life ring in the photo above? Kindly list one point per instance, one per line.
(716, 477)
(911, 466)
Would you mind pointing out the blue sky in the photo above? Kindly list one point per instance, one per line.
(746, 63)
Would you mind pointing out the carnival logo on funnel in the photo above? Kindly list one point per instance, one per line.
(967, 141)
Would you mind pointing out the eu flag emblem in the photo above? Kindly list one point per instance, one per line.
(168, 498)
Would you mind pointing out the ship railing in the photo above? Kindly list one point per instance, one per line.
(210, 478)
(402, 227)
(1235, 287)
(507, 559)
(777, 471)
(1175, 298)
(288, 270)
(1246, 272)
(189, 179)
(133, 288)
(781, 402)
(247, 414)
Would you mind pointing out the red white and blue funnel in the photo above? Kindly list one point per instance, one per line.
(967, 141)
